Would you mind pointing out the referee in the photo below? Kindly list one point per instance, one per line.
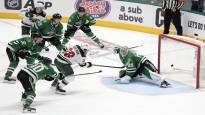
(171, 12)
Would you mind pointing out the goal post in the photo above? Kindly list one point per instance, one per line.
(177, 43)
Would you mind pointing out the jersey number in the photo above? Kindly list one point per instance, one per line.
(69, 53)
(37, 67)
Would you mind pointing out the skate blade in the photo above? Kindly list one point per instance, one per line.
(29, 111)
(9, 82)
(62, 93)
(165, 86)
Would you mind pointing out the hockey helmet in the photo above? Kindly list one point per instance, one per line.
(39, 5)
(84, 47)
(56, 16)
(124, 51)
(81, 9)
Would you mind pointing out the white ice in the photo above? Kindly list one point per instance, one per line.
(89, 95)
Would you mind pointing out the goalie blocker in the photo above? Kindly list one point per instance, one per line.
(137, 65)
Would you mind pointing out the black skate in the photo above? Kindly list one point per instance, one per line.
(9, 80)
(60, 90)
(23, 97)
(100, 45)
(28, 109)
(164, 84)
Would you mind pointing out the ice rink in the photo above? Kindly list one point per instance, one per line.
(98, 94)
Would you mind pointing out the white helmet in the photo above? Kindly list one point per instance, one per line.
(124, 51)
(39, 5)
(84, 47)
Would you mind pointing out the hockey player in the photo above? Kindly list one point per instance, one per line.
(63, 62)
(137, 65)
(28, 77)
(24, 48)
(31, 16)
(51, 30)
(78, 21)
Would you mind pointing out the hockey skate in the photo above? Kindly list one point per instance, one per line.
(28, 109)
(100, 45)
(60, 90)
(9, 80)
(164, 84)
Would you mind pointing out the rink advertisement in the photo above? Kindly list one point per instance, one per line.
(97, 8)
(110, 13)
(13, 4)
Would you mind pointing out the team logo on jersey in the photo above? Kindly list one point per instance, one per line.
(97, 8)
(13, 4)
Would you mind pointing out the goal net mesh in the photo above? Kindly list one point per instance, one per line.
(182, 58)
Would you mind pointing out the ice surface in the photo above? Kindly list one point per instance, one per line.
(90, 95)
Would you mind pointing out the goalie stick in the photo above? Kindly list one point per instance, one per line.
(108, 66)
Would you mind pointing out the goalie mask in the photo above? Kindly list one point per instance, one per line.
(124, 51)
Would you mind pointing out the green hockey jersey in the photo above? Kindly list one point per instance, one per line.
(47, 29)
(75, 20)
(39, 71)
(25, 44)
(132, 62)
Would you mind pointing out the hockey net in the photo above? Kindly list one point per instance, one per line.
(182, 59)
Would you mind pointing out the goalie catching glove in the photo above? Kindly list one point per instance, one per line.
(87, 64)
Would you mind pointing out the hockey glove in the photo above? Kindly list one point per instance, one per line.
(48, 78)
(23, 54)
(85, 28)
(45, 60)
(67, 34)
(87, 64)
(116, 50)
(61, 76)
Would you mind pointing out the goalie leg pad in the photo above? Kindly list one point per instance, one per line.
(150, 66)
(122, 73)
(125, 80)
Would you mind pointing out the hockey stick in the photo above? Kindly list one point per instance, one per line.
(135, 46)
(108, 66)
(108, 53)
(87, 73)
(83, 73)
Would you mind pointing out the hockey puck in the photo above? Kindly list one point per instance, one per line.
(172, 65)
(100, 70)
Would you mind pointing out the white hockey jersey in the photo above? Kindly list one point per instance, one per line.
(30, 13)
(74, 55)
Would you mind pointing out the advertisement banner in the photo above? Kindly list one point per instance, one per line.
(142, 15)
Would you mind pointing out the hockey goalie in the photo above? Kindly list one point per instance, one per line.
(137, 66)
